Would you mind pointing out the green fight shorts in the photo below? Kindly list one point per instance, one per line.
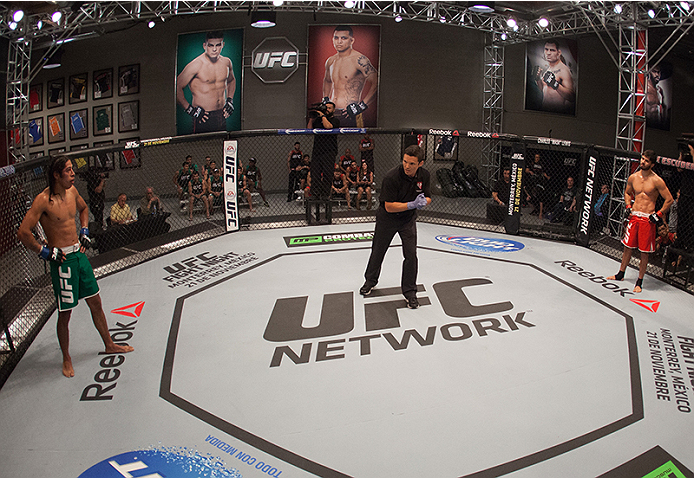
(73, 279)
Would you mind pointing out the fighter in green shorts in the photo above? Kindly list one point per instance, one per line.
(55, 209)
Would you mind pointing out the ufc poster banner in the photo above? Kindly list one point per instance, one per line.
(231, 216)
(512, 219)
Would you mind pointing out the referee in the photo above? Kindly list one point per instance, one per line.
(405, 189)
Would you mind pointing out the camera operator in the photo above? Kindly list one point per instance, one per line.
(324, 148)
(95, 189)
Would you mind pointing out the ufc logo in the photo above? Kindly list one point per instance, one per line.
(66, 294)
(337, 313)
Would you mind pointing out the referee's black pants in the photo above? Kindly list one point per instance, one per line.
(385, 230)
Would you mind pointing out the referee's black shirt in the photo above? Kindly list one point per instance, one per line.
(399, 187)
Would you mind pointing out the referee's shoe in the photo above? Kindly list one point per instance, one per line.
(412, 302)
(366, 289)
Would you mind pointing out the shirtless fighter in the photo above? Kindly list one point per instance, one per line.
(210, 77)
(346, 74)
(73, 279)
(555, 80)
(643, 188)
(657, 111)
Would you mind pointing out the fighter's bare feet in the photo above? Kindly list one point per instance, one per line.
(68, 371)
(637, 289)
(119, 349)
(613, 278)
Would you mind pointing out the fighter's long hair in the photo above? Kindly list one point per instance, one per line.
(56, 166)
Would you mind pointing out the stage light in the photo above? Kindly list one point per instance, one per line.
(57, 15)
(398, 18)
(54, 61)
(618, 8)
(349, 4)
(18, 15)
(504, 36)
(278, 3)
(651, 13)
(39, 25)
(685, 5)
(12, 25)
(543, 22)
(481, 7)
(151, 24)
(263, 19)
(511, 22)
(442, 19)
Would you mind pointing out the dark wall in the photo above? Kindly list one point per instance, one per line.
(431, 76)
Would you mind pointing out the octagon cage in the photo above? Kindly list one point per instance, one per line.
(545, 175)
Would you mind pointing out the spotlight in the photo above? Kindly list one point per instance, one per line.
(13, 25)
(543, 22)
(57, 15)
(511, 22)
(618, 8)
(263, 19)
(442, 19)
(151, 24)
(54, 61)
(278, 3)
(685, 5)
(18, 15)
(349, 4)
(398, 18)
(481, 7)
(39, 25)
(651, 13)
(504, 36)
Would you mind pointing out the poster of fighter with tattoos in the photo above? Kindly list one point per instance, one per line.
(343, 69)
(551, 76)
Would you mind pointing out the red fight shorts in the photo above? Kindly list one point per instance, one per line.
(640, 233)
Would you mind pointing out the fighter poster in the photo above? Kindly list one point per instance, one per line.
(659, 96)
(208, 81)
(343, 62)
(551, 82)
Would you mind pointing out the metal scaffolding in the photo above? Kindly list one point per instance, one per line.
(493, 106)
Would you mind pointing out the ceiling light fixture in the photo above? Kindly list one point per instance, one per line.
(651, 13)
(349, 4)
(151, 24)
(618, 8)
(263, 19)
(511, 22)
(481, 7)
(278, 3)
(57, 15)
(398, 18)
(18, 15)
(543, 22)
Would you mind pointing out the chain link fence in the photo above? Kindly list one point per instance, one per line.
(172, 196)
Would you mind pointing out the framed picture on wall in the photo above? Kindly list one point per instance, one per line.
(55, 93)
(446, 148)
(79, 126)
(103, 120)
(36, 98)
(56, 151)
(55, 126)
(130, 158)
(128, 116)
(35, 132)
(128, 80)
(78, 88)
(104, 159)
(102, 84)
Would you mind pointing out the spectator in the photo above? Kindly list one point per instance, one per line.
(293, 164)
(193, 167)
(242, 185)
(366, 148)
(207, 168)
(339, 186)
(502, 188)
(536, 179)
(149, 204)
(564, 209)
(346, 160)
(601, 208)
(120, 212)
(215, 190)
(254, 179)
(352, 176)
(364, 184)
(196, 192)
(305, 175)
(181, 180)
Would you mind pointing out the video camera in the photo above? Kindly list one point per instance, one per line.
(683, 144)
(317, 107)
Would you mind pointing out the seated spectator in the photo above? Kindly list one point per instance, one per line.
(346, 160)
(352, 176)
(215, 190)
(196, 192)
(149, 204)
(254, 179)
(502, 188)
(293, 164)
(338, 188)
(364, 183)
(242, 185)
(601, 208)
(304, 174)
(564, 209)
(120, 212)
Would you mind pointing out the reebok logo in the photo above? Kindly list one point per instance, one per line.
(136, 309)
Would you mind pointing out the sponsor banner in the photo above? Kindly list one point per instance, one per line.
(231, 210)
(444, 132)
(323, 131)
(294, 241)
(553, 142)
(655, 463)
(481, 244)
(583, 234)
(512, 220)
(275, 60)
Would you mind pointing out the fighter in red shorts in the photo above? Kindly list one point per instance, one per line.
(643, 188)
